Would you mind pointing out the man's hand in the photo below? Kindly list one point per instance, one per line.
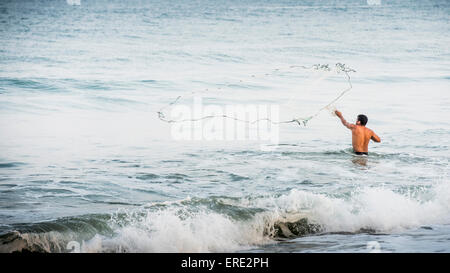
(339, 114)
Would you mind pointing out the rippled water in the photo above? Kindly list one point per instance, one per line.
(84, 157)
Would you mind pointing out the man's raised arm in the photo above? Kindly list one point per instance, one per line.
(344, 122)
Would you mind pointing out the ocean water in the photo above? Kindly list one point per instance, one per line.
(85, 160)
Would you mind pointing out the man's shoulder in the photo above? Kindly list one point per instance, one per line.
(369, 130)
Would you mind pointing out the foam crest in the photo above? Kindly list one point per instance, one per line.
(377, 209)
(369, 209)
(215, 225)
(202, 231)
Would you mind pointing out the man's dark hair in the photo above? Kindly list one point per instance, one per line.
(363, 119)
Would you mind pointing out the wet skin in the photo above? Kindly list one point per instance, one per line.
(361, 135)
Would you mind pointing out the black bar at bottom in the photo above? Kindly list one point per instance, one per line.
(220, 262)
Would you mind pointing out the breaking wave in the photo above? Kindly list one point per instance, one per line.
(223, 224)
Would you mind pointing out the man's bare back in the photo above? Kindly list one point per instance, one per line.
(361, 135)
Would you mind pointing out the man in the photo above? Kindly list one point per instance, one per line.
(361, 135)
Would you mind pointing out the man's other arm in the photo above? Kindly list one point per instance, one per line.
(374, 137)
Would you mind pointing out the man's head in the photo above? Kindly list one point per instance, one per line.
(362, 120)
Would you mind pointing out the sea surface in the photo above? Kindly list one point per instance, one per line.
(86, 163)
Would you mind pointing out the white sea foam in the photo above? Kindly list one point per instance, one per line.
(178, 230)
(378, 209)
(188, 227)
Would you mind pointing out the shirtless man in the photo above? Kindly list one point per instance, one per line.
(361, 135)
